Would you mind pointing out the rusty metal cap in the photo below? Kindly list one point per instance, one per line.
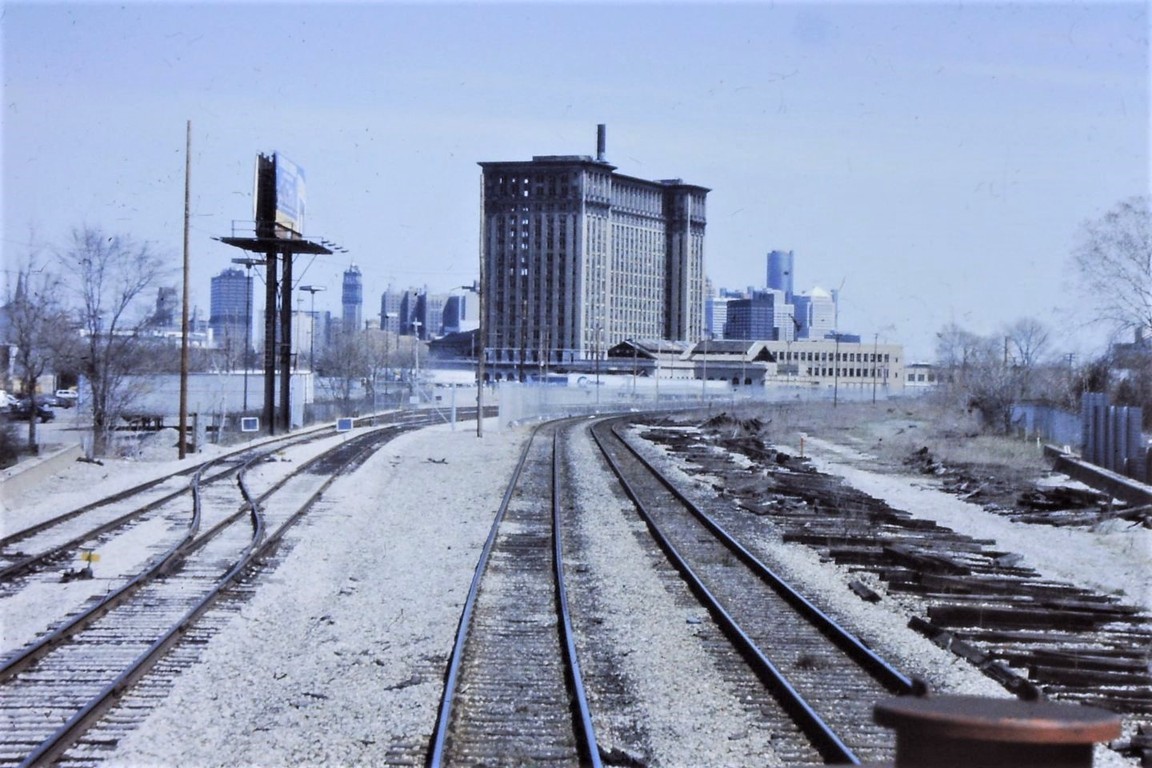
(975, 718)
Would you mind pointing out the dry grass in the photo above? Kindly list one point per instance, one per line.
(894, 430)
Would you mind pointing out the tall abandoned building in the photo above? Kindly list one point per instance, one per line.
(578, 258)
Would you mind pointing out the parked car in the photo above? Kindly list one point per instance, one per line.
(67, 397)
(54, 401)
(24, 410)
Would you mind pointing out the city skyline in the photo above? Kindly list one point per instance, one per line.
(931, 162)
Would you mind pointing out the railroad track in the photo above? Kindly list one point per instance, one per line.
(54, 690)
(823, 679)
(513, 691)
(55, 540)
(1037, 637)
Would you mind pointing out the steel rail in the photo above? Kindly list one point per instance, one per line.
(161, 564)
(64, 517)
(590, 751)
(463, 627)
(880, 669)
(830, 746)
(67, 734)
(582, 726)
(29, 562)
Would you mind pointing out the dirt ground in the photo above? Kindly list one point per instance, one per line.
(922, 437)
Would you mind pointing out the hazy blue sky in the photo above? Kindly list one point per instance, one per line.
(933, 159)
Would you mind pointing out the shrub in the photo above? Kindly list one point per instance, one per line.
(9, 446)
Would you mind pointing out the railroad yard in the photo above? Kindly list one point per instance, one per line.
(932, 568)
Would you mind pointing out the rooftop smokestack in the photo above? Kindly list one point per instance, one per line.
(601, 133)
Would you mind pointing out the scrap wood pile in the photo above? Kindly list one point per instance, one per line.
(1058, 505)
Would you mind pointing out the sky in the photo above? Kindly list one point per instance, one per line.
(933, 161)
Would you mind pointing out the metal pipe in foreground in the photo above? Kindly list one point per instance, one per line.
(968, 731)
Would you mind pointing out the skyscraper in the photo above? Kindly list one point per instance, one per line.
(578, 257)
(352, 297)
(230, 310)
(780, 272)
(815, 314)
(460, 313)
(390, 310)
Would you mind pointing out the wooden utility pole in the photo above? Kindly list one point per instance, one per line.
(184, 309)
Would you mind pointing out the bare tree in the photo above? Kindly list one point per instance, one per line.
(1026, 344)
(380, 353)
(39, 330)
(1114, 259)
(110, 276)
(344, 363)
(979, 375)
(956, 351)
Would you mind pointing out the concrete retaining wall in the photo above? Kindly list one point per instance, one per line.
(22, 479)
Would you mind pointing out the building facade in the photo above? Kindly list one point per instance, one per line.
(781, 269)
(815, 314)
(230, 310)
(752, 318)
(460, 313)
(390, 307)
(352, 299)
(578, 257)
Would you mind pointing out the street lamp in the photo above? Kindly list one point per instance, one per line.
(385, 317)
(312, 289)
(248, 264)
(598, 333)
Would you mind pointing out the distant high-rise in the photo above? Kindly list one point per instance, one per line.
(230, 308)
(390, 310)
(352, 297)
(815, 314)
(578, 257)
(166, 305)
(780, 272)
(460, 313)
(761, 316)
(430, 314)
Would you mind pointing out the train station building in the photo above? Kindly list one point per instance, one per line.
(578, 257)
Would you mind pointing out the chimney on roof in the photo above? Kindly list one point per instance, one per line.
(601, 133)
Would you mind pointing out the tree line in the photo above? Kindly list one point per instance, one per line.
(1112, 261)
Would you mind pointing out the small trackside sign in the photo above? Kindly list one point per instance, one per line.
(343, 425)
(250, 424)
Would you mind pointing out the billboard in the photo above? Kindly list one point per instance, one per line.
(279, 201)
(290, 196)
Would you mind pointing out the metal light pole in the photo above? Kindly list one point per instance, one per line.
(312, 289)
(248, 264)
(387, 351)
(875, 342)
(598, 331)
(704, 373)
(836, 370)
(416, 324)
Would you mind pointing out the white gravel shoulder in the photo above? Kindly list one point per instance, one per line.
(337, 660)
